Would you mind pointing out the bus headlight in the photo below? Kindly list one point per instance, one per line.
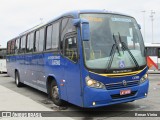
(93, 83)
(144, 78)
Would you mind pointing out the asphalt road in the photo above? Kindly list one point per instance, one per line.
(151, 103)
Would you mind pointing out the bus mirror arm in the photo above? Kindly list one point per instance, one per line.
(76, 22)
(79, 22)
(84, 24)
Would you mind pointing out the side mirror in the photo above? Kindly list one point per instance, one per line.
(85, 32)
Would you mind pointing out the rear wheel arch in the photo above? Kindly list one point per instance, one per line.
(15, 71)
(17, 79)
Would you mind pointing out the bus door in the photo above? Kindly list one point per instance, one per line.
(71, 65)
(158, 58)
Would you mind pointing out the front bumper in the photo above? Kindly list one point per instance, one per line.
(100, 97)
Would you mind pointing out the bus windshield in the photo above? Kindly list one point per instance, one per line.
(115, 42)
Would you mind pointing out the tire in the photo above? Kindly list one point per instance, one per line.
(17, 80)
(54, 93)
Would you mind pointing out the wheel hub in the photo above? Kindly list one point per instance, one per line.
(55, 92)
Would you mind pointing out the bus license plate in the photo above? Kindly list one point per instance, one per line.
(125, 92)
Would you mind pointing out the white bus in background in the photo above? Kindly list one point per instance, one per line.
(153, 51)
(3, 60)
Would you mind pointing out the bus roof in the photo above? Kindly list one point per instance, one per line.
(74, 14)
(152, 44)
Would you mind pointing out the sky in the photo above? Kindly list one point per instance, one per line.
(16, 16)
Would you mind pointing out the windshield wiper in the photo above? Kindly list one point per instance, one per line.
(117, 46)
(125, 47)
(113, 51)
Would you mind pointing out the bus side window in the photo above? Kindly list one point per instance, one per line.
(49, 38)
(13, 47)
(30, 40)
(41, 40)
(66, 27)
(158, 52)
(37, 42)
(55, 35)
(70, 50)
(152, 51)
(17, 46)
(8, 47)
(23, 44)
(1, 54)
(28, 43)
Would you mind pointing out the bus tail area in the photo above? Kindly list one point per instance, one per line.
(3, 60)
(3, 66)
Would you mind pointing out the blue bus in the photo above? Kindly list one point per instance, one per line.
(89, 58)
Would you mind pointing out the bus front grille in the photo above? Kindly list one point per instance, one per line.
(120, 85)
(118, 96)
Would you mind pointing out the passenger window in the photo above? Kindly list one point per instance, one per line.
(70, 49)
(31, 42)
(37, 41)
(67, 27)
(23, 44)
(28, 43)
(152, 51)
(55, 35)
(9, 48)
(41, 40)
(12, 47)
(49, 38)
(17, 46)
(52, 36)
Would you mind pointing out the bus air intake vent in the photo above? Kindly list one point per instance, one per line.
(120, 85)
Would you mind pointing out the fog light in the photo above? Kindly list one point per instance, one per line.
(145, 94)
(94, 103)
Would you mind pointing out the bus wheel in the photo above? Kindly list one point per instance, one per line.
(17, 80)
(55, 94)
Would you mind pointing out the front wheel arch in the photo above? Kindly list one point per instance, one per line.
(48, 84)
(52, 83)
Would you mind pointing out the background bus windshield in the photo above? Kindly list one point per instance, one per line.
(108, 32)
